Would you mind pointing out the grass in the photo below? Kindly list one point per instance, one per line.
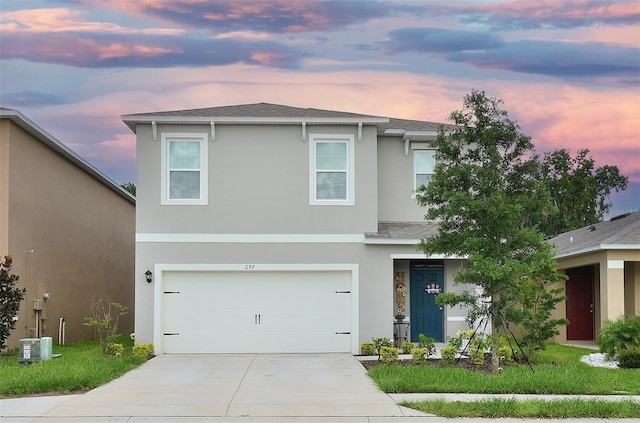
(81, 367)
(560, 409)
(558, 370)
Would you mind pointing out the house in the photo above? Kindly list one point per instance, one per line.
(269, 228)
(69, 228)
(602, 262)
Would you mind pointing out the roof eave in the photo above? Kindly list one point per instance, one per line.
(132, 120)
(595, 248)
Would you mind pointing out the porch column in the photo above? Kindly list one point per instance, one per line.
(611, 289)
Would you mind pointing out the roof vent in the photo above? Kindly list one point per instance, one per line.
(620, 216)
(591, 228)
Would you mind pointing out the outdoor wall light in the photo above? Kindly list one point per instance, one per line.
(149, 276)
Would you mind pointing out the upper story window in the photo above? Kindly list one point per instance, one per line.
(424, 162)
(331, 164)
(184, 169)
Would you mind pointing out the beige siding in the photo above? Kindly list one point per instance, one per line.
(82, 234)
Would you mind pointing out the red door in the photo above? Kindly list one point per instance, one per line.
(580, 308)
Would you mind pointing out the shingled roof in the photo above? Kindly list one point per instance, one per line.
(621, 232)
(277, 113)
(402, 232)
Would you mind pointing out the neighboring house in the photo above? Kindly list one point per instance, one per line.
(602, 262)
(268, 228)
(69, 228)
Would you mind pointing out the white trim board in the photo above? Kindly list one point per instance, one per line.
(248, 238)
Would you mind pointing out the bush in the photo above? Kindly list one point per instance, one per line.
(367, 348)
(407, 347)
(10, 299)
(388, 355)
(505, 354)
(427, 342)
(618, 335)
(629, 359)
(454, 342)
(478, 345)
(115, 350)
(143, 350)
(448, 354)
(419, 355)
(104, 318)
(381, 342)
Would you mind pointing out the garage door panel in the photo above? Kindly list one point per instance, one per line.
(288, 311)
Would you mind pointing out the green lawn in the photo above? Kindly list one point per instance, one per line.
(558, 371)
(499, 408)
(81, 367)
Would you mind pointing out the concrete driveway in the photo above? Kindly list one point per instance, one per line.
(251, 385)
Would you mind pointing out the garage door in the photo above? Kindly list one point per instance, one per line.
(257, 311)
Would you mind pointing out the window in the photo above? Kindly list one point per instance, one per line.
(424, 162)
(184, 169)
(331, 166)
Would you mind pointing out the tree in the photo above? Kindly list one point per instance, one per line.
(129, 186)
(10, 298)
(537, 296)
(579, 190)
(486, 195)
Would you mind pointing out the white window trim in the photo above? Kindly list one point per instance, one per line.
(203, 139)
(350, 141)
(418, 148)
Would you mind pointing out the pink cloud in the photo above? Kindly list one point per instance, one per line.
(66, 20)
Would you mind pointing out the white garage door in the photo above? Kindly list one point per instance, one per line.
(257, 311)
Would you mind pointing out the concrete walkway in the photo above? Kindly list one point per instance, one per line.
(302, 388)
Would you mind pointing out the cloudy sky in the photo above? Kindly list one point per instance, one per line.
(568, 71)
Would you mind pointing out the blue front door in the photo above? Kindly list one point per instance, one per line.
(426, 316)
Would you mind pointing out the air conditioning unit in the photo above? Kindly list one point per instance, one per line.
(33, 350)
(29, 350)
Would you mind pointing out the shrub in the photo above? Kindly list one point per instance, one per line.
(367, 348)
(143, 350)
(454, 342)
(115, 349)
(427, 342)
(505, 354)
(10, 299)
(448, 354)
(381, 342)
(388, 355)
(104, 318)
(618, 335)
(477, 356)
(419, 355)
(629, 359)
(407, 347)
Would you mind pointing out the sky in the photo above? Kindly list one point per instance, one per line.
(567, 71)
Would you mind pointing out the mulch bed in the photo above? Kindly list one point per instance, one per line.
(463, 363)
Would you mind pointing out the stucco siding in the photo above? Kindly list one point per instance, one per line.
(70, 235)
(395, 183)
(258, 182)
